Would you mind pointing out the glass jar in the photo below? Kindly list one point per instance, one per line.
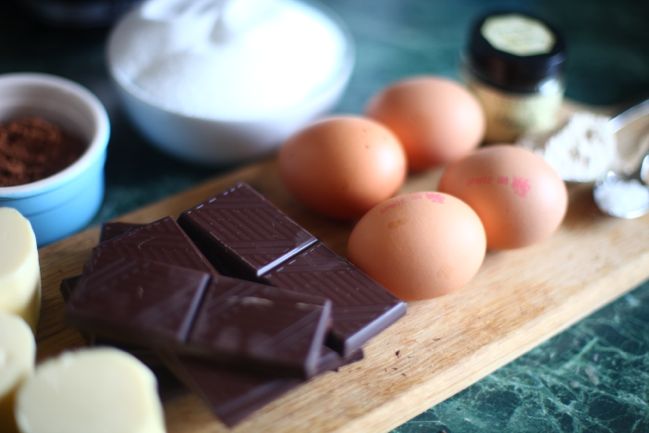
(514, 65)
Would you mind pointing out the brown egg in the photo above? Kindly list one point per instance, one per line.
(437, 120)
(419, 245)
(342, 166)
(518, 196)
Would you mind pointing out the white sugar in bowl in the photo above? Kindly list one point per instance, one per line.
(222, 82)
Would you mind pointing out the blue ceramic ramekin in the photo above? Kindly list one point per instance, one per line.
(65, 202)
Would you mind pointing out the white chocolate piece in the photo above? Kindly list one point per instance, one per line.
(99, 390)
(20, 277)
(17, 357)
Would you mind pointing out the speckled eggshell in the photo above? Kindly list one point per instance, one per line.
(436, 119)
(419, 245)
(520, 199)
(342, 166)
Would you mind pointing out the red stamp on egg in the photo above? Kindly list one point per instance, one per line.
(435, 197)
(520, 185)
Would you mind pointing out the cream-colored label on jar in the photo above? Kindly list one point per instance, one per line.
(510, 115)
(518, 34)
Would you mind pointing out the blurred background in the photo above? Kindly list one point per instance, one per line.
(608, 63)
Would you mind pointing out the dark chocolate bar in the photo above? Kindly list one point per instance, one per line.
(161, 241)
(361, 307)
(242, 233)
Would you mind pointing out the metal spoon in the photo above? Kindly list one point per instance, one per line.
(624, 196)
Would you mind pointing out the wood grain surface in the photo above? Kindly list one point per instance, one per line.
(519, 299)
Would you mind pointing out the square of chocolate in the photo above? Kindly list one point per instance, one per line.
(361, 307)
(160, 241)
(242, 233)
(137, 301)
(144, 354)
(261, 327)
(231, 395)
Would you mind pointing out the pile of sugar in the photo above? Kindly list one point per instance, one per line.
(582, 150)
(274, 56)
(623, 198)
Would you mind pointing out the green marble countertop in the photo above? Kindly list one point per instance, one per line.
(593, 377)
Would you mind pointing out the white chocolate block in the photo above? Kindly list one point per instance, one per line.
(17, 357)
(20, 277)
(98, 390)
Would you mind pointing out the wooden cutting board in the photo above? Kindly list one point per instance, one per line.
(519, 299)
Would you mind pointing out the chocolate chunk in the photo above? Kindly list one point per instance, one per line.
(161, 241)
(361, 307)
(234, 395)
(112, 230)
(146, 355)
(260, 325)
(231, 395)
(138, 301)
(242, 233)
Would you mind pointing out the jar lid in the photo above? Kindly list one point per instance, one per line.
(515, 51)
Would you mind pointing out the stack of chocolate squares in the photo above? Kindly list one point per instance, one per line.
(236, 299)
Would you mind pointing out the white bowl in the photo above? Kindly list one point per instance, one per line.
(225, 141)
(65, 202)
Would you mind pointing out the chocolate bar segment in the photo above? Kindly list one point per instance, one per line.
(234, 395)
(231, 395)
(137, 301)
(261, 325)
(144, 354)
(242, 233)
(361, 307)
(160, 241)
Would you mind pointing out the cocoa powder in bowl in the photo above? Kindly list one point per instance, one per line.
(32, 148)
